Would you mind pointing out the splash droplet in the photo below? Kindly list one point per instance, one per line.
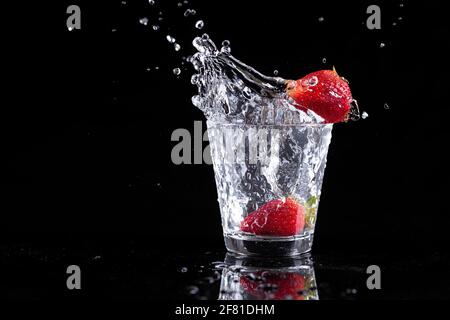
(143, 21)
(401, 5)
(170, 39)
(364, 115)
(382, 45)
(275, 72)
(151, 2)
(177, 47)
(394, 23)
(155, 27)
(179, 4)
(205, 36)
(400, 18)
(183, 269)
(199, 24)
(176, 71)
(324, 60)
(113, 30)
(321, 19)
(189, 12)
(192, 290)
(160, 19)
(386, 106)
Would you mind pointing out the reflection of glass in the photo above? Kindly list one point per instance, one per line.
(253, 278)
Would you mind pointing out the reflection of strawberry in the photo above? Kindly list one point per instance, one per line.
(323, 92)
(281, 217)
(274, 285)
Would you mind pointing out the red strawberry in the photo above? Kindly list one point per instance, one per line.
(323, 92)
(274, 285)
(280, 217)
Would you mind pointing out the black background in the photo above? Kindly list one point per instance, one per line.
(86, 129)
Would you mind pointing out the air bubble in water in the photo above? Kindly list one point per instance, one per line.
(225, 47)
(143, 21)
(321, 19)
(151, 2)
(386, 106)
(364, 115)
(176, 71)
(155, 27)
(205, 36)
(382, 45)
(275, 72)
(170, 39)
(199, 24)
(177, 47)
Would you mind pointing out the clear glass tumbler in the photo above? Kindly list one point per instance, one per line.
(272, 173)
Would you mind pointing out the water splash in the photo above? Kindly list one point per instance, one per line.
(231, 91)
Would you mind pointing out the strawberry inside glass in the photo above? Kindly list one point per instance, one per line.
(269, 141)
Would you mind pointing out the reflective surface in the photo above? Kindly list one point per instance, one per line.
(115, 266)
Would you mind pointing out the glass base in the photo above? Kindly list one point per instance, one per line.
(269, 246)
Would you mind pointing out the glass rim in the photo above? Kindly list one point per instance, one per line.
(298, 125)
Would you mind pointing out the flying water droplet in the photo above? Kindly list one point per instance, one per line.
(123, 2)
(160, 19)
(199, 24)
(275, 72)
(324, 60)
(177, 71)
(364, 115)
(354, 114)
(189, 12)
(170, 39)
(155, 27)
(113, 30)
(192, 290)
(400, 18)
(225, 47)
(151, 2)
(177, 47)
(386, 106)
(205, 36)
(143, 21)
(401, 5)
(247, 92)
(179, 4)
(194, 79)
(394, 23)
(183, 269)
(321, 19)
(382, 45)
